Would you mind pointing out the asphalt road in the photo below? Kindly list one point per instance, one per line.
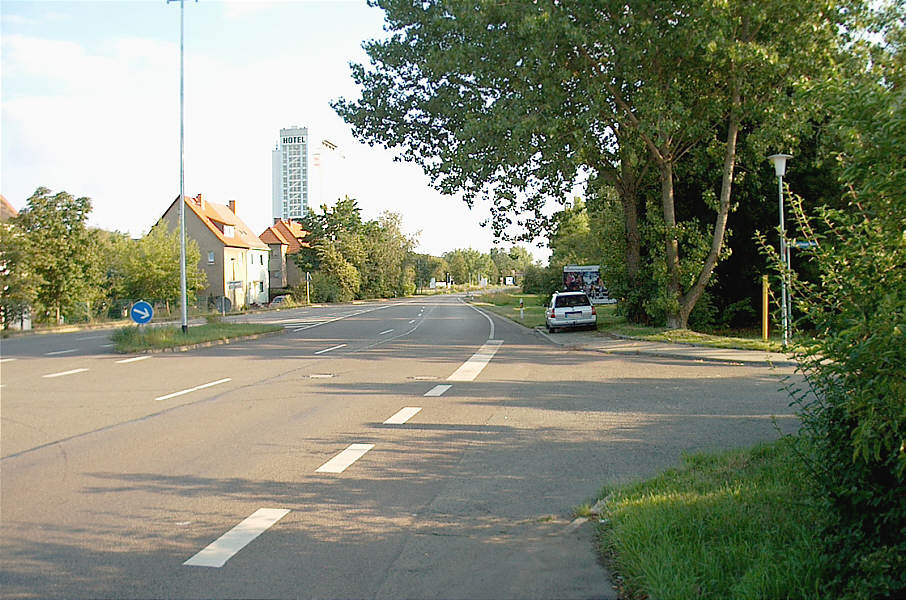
(416, 448)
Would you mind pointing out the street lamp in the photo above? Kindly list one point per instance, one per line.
(779, 162)
(182, 196)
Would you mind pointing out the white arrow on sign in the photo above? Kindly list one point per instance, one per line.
(144, 314)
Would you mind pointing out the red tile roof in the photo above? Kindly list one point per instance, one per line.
(216, 216)
(6, 209)
(286, 232)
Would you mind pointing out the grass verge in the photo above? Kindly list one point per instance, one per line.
(609, 322)
(729, 525)
(139, 339)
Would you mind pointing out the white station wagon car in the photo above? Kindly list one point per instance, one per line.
(570, 309)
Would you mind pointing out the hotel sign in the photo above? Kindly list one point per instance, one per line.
(294, 140)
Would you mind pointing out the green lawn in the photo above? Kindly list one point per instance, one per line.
(141, 339)
(730, 525)
(610, 323)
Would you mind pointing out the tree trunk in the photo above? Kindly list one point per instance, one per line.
(688, 300)
(675, 319)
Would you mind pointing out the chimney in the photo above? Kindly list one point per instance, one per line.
(200, 201)
(232, 205)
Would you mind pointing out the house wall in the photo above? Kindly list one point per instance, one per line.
(207, 242)
(259, 279)
(277, 265)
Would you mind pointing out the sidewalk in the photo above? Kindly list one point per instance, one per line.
(591, 340)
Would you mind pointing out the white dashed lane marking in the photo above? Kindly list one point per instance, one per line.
(62, 373)
(226, 546)
(331, 348)
(472, 367)
(344, 459)
(438, 390)
(194, 389)
(133, 359)
(60, 352)
(385, 331)
(403, 415)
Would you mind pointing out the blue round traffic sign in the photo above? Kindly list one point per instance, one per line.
(141, 312)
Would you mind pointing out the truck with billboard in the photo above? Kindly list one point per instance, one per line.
(586, 278)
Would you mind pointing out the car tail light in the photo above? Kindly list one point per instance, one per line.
(553, 313)
(593, 311)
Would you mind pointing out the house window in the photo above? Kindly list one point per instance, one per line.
(260, 287)
(261, 261)
(211, 257)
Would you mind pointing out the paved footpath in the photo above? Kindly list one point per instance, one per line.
(592, 340)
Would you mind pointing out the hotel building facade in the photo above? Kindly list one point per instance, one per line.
(290, 174)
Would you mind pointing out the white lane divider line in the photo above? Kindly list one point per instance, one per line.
(344, 459)
(194, 389)
(412, 321)
(60, 352)
(403, 415)
(470, 369)
(133, 359)
(226, 546)
(331, 348)
(438, 390)
(3, 360)
(62, 373)
(385, 331)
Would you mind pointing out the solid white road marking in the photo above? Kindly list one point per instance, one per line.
(3, 360)
(320, 376)
(194, 389)
(485, 315)
(386, 331)
(133, 359)
(331, 348)
(341, 461)
(60, 352)
(438, 390)
(226, 546)
(64, 373)
(470, 369)
(403, 415)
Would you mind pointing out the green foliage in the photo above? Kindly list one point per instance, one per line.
(854, 408)
(142, 338)
(351, 258)
(18, 287)
(60, 251)
(148, 268)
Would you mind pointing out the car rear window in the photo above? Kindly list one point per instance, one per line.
(571, 300)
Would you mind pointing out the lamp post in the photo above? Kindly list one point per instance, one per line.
(182, 193)
(779, 161)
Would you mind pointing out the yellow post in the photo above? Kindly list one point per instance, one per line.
(764, 307)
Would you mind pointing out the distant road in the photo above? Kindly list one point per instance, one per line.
(413, 448)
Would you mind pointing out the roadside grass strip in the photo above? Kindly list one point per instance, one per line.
(194, 389)
(345, 459)
(217, 553)
(470, 369)
(403, 415)
(732, 525)
(140, 339)
(62, 373)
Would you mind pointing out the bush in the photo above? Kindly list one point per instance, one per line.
(853, 409)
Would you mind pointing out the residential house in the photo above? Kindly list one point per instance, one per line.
(233, 258)
(285, 238)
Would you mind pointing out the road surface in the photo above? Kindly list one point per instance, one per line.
(417, 448)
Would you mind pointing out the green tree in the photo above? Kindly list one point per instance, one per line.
(149, 267)
(59, 245)
(18, 284)
(853, 407)
(510, 101)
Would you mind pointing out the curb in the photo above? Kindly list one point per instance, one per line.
(665, 353)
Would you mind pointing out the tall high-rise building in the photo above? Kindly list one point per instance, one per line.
(290, 174)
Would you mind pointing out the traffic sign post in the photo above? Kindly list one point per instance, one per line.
(141, 312)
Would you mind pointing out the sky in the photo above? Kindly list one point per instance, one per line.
(90, 106)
